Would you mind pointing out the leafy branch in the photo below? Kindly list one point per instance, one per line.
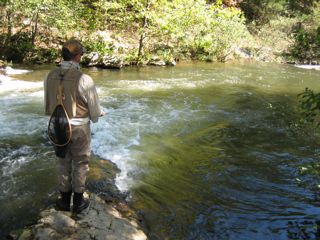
(310, 105)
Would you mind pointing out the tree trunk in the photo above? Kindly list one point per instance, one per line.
(35, 28)
(143, 34)
(9, 27)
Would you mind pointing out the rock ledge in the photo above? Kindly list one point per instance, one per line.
(100, 222)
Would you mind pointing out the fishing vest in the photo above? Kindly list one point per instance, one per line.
(74, 104)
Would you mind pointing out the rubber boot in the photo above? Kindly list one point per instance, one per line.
(63, 204)
(79, 203)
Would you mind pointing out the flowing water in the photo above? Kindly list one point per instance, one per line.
(207, 151)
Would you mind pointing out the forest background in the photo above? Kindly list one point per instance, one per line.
(141, 31)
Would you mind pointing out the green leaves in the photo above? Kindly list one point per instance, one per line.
(310, 105)
(195, 28)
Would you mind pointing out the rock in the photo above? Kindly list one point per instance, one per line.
(26, 235)
(100, 221)
(171, 62)
(243, 53)
(59, 222)
(91, 59)
(3, 72)
(156, 61)
(46, 233)
(3, 64)
(111, 62)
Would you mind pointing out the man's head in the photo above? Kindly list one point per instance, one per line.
(72, 50)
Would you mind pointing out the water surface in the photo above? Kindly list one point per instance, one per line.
(207, 151)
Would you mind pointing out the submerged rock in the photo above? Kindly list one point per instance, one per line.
(100, 221)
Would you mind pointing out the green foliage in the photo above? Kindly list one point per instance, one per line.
(199, 29)
(196, 28)
(262, 11)
(97, 45)
(306, 45)
(172, 28)
(310, 105)
(17, 47)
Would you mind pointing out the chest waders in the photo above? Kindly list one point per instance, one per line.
(59, 127)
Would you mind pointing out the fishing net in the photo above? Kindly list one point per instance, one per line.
(59, 130)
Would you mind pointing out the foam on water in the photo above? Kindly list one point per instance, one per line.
(11, 71)
(15, 159)
(17, 120)
(116, 134)
(9, 84)
(305, 66)
(161, 84)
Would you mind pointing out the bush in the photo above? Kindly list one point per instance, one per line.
(306, 47)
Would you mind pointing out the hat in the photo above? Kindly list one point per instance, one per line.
(72, 48)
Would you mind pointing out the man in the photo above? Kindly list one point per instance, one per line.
(81, 102)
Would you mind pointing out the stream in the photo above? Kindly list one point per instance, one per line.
(205, 150)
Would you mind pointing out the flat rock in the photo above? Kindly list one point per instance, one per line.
(100, 221)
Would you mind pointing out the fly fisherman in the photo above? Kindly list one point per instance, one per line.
(81, 103)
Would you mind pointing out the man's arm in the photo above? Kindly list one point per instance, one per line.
(92, 98)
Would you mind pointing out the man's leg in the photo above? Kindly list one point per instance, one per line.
(65, 178)
(80, 151)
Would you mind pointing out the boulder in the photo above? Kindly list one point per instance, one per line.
(243, 53)
(112, 62)
(171, 62)
(91, 59)
(156, 61)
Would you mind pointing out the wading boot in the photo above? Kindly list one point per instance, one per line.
(79, 203)
(63, 204)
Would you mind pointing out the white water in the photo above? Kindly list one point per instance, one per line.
(13, 85)
(116, 134)
(304, 66)
(113, 136)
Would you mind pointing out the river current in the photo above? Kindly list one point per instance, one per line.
(206, 151)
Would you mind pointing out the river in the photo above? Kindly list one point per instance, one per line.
(206, 150)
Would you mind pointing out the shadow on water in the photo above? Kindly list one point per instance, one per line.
(233, 174)
(27, 179)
